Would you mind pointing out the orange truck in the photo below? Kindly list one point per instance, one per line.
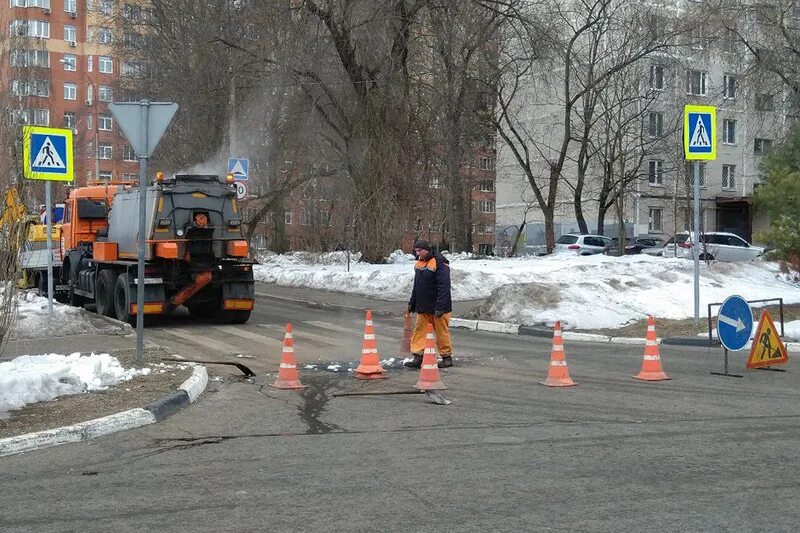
(195, 255)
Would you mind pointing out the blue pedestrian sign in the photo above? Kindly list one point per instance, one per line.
(700, 132)
(734, 323)
(47, 153)
(239, 167)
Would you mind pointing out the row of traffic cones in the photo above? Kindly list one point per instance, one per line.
(369, 366)
(558, 374)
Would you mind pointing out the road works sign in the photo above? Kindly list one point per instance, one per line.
(239, 167)
(734, 323)
(700, 132)
(768, 349)
(47, 153)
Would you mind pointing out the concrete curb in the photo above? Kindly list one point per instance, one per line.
(187, 393)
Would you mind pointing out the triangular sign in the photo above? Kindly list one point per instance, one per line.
(48, 156)
(131, 121)
(238, 169)
(699, 137)
(768, 349)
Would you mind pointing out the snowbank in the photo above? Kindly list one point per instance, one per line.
(34, 321)
(583, 292)
(35, 378)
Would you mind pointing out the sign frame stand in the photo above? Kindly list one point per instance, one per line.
(725, 371)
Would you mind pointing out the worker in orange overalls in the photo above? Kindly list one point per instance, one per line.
(432, 302)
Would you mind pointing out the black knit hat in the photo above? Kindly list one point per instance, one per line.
(422, 245)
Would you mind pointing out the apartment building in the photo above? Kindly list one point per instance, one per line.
(59, 69)
(754, 111)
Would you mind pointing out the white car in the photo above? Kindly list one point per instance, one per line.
(582, 244)
(714, 245)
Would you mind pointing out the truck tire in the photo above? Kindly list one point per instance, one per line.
(233, 317)
(122, 299)
(104, 293)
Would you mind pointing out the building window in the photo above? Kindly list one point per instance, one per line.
(765, 102)
(71, 6)
(104, 35)
(30, 58)
(655, 175)
(89, 63)
(128, 154)
(70, 91)
(30, 28)
(690, 173)
(70, 62)
(655, 222)
(698, 38)
(487, 206)
(305, 217)
(105, 122)
(656, 127)
(730, 85)
(105, 65)
(69, 120)
(70, 34)
(30, 88)
(287, 218)
(696, 82)
(657, 77)
(30, 3)
(131, 69)
(106, 7)
(130, 177)
(729, 177)
(761, 146)
(105, 151)
(105, 94)
(105, 175)
(89, 122)
(37, 117)
(487, 186)
(729, 131)
(487, 163)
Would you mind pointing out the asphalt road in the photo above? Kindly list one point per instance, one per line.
(697, 453)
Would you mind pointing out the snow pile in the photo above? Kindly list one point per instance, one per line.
(399, 257)
(583, 292)
(35, 378)
(34, 321)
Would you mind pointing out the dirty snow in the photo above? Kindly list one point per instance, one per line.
(33, 320)
(583, 292)
(36, 378)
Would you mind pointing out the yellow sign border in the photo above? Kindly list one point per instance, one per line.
(766, 319)
(27, 131)
(711, 156)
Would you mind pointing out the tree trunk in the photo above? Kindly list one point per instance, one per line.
(279, 243)
(601, 218)
(584, 228)
(518, 238)
(549, 229)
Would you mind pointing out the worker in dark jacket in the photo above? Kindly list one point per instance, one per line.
(431, 300)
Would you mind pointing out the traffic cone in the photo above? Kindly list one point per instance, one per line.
(370, 365)
(651, 364)
(405, 344)
(558, 374)
(288, 377)
(429, 373)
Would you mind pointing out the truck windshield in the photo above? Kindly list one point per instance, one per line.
(91, 208)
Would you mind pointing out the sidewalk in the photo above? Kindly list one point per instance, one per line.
(339, 300)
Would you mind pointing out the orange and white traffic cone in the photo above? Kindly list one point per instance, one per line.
(405, 344)
(370, 365)
(288, 377)
(558, 374)
(651, 364)
(429, 373)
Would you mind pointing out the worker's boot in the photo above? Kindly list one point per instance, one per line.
(416, 361)
(447, 361)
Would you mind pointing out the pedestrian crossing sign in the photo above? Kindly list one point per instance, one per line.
(700, 132)
(768, 348)
(47, 153)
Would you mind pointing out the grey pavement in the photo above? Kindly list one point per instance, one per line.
(697, 453)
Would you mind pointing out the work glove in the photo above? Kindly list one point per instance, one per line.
(439, 314)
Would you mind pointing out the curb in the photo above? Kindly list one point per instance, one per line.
(187, 393)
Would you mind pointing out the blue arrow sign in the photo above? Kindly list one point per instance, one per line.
(734, 323)
(239, 167)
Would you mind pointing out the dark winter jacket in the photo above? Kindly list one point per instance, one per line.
(431, 286)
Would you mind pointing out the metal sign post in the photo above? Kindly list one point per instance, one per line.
(143, 124)
(47, 155)
(699, 144)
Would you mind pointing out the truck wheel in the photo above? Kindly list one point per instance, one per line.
(104, 293)
(233, 317)
(122, 299)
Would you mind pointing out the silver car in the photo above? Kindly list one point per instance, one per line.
(714, 245)
(582, 244)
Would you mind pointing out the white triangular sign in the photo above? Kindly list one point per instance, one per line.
(700, 136)
(48, 156)
(238, 169)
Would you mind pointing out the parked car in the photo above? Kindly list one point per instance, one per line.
(582, 244)
(633, 246)
(714, 245)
